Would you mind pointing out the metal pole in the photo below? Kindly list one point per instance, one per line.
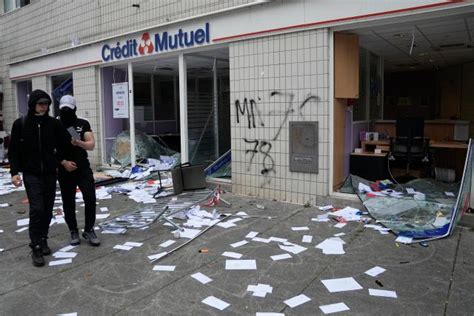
(216, 111)
(131, 107)
(183, 108)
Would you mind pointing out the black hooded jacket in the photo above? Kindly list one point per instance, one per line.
(37, 142)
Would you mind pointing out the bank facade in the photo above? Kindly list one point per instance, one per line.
(284, 85)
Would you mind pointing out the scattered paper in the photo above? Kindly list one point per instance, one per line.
(404, 240)
(375, 271)
(133, 244)
(299, 228)
(238, 244)
(240, 265)
(122, 247)
(297, 300)
(383, 293)
(157, 256)
(60, 262)
(332, 246)
(293, 248)
(188, 233)
(102, 216)
(333, 308)
(269, 314)
(21, 230)
(60, 254)
(411, 191)
(231, 254)
(326, 208)
(215, 302)
(449, 193)
(167, 243)
(281, 257)
(340, 225)
(339, 234)
(341, 285)
(67, 314)
(67, 248)
(260, 290)
(307, 239)
(104, 209)
(163, 268)
(22, 222)
(4, 205)
(201, 278)
(251, 235)
(258, 239)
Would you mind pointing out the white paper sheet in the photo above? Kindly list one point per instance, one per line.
(167, 243)
(449, 193)
(326, 208)
(297, 300)
(157, 256)
(341, 285)
(231, 254)
(258, 239)
(411, 191)
(67, 248)
(133, 244)
(307, 239)
(339, 234)
(404, 240)
(122, 247)
(67, 314)
(215, 302)
(238, 244)
(163, 268)
(295, 229)
(278, 239)
(340, 225)
(104, 209)
(281, 257)
(293, 248)
(375, 271)
(60, 262)
(333, 308)
(240, 265)
(102, 216)
(252, 235)
(22, 222)
(189, 233)
(62, 255)
(4, 205)
(260, 290)
(21, 230)
(269, 314)
(201, 278)
(383, 293)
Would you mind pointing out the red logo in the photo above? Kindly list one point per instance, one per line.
(146, 46)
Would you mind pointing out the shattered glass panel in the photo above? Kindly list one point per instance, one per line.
(145, 147)
(429, 213)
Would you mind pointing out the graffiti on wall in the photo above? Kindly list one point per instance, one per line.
(259, 150)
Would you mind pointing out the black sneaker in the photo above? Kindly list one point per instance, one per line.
(91, 237)
(75, 240)
(44, 247)
(37, 256)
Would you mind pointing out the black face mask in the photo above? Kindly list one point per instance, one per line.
(68, 117)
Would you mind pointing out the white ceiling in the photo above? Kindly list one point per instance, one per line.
(437, 43)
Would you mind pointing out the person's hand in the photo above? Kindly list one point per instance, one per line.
(16, 180)
(76, 142)
(69, 165)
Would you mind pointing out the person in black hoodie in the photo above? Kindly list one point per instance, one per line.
(75, 172)
(36, 147)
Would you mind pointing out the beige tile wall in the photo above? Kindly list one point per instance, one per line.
(85, 82)
(296, 64)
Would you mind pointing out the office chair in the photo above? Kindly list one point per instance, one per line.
(409, 145)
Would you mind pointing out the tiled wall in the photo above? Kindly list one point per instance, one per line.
(297, 64)
(85, 82)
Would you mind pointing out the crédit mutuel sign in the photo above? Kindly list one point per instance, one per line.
(159, 42)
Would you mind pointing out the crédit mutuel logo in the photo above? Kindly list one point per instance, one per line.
(160, 42)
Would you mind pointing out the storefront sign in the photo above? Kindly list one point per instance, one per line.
(159, 42)
(120, 100)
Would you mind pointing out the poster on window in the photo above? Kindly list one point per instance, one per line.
(120, 99)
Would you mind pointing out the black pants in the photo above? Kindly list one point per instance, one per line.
(68, 181)
(41, 191)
